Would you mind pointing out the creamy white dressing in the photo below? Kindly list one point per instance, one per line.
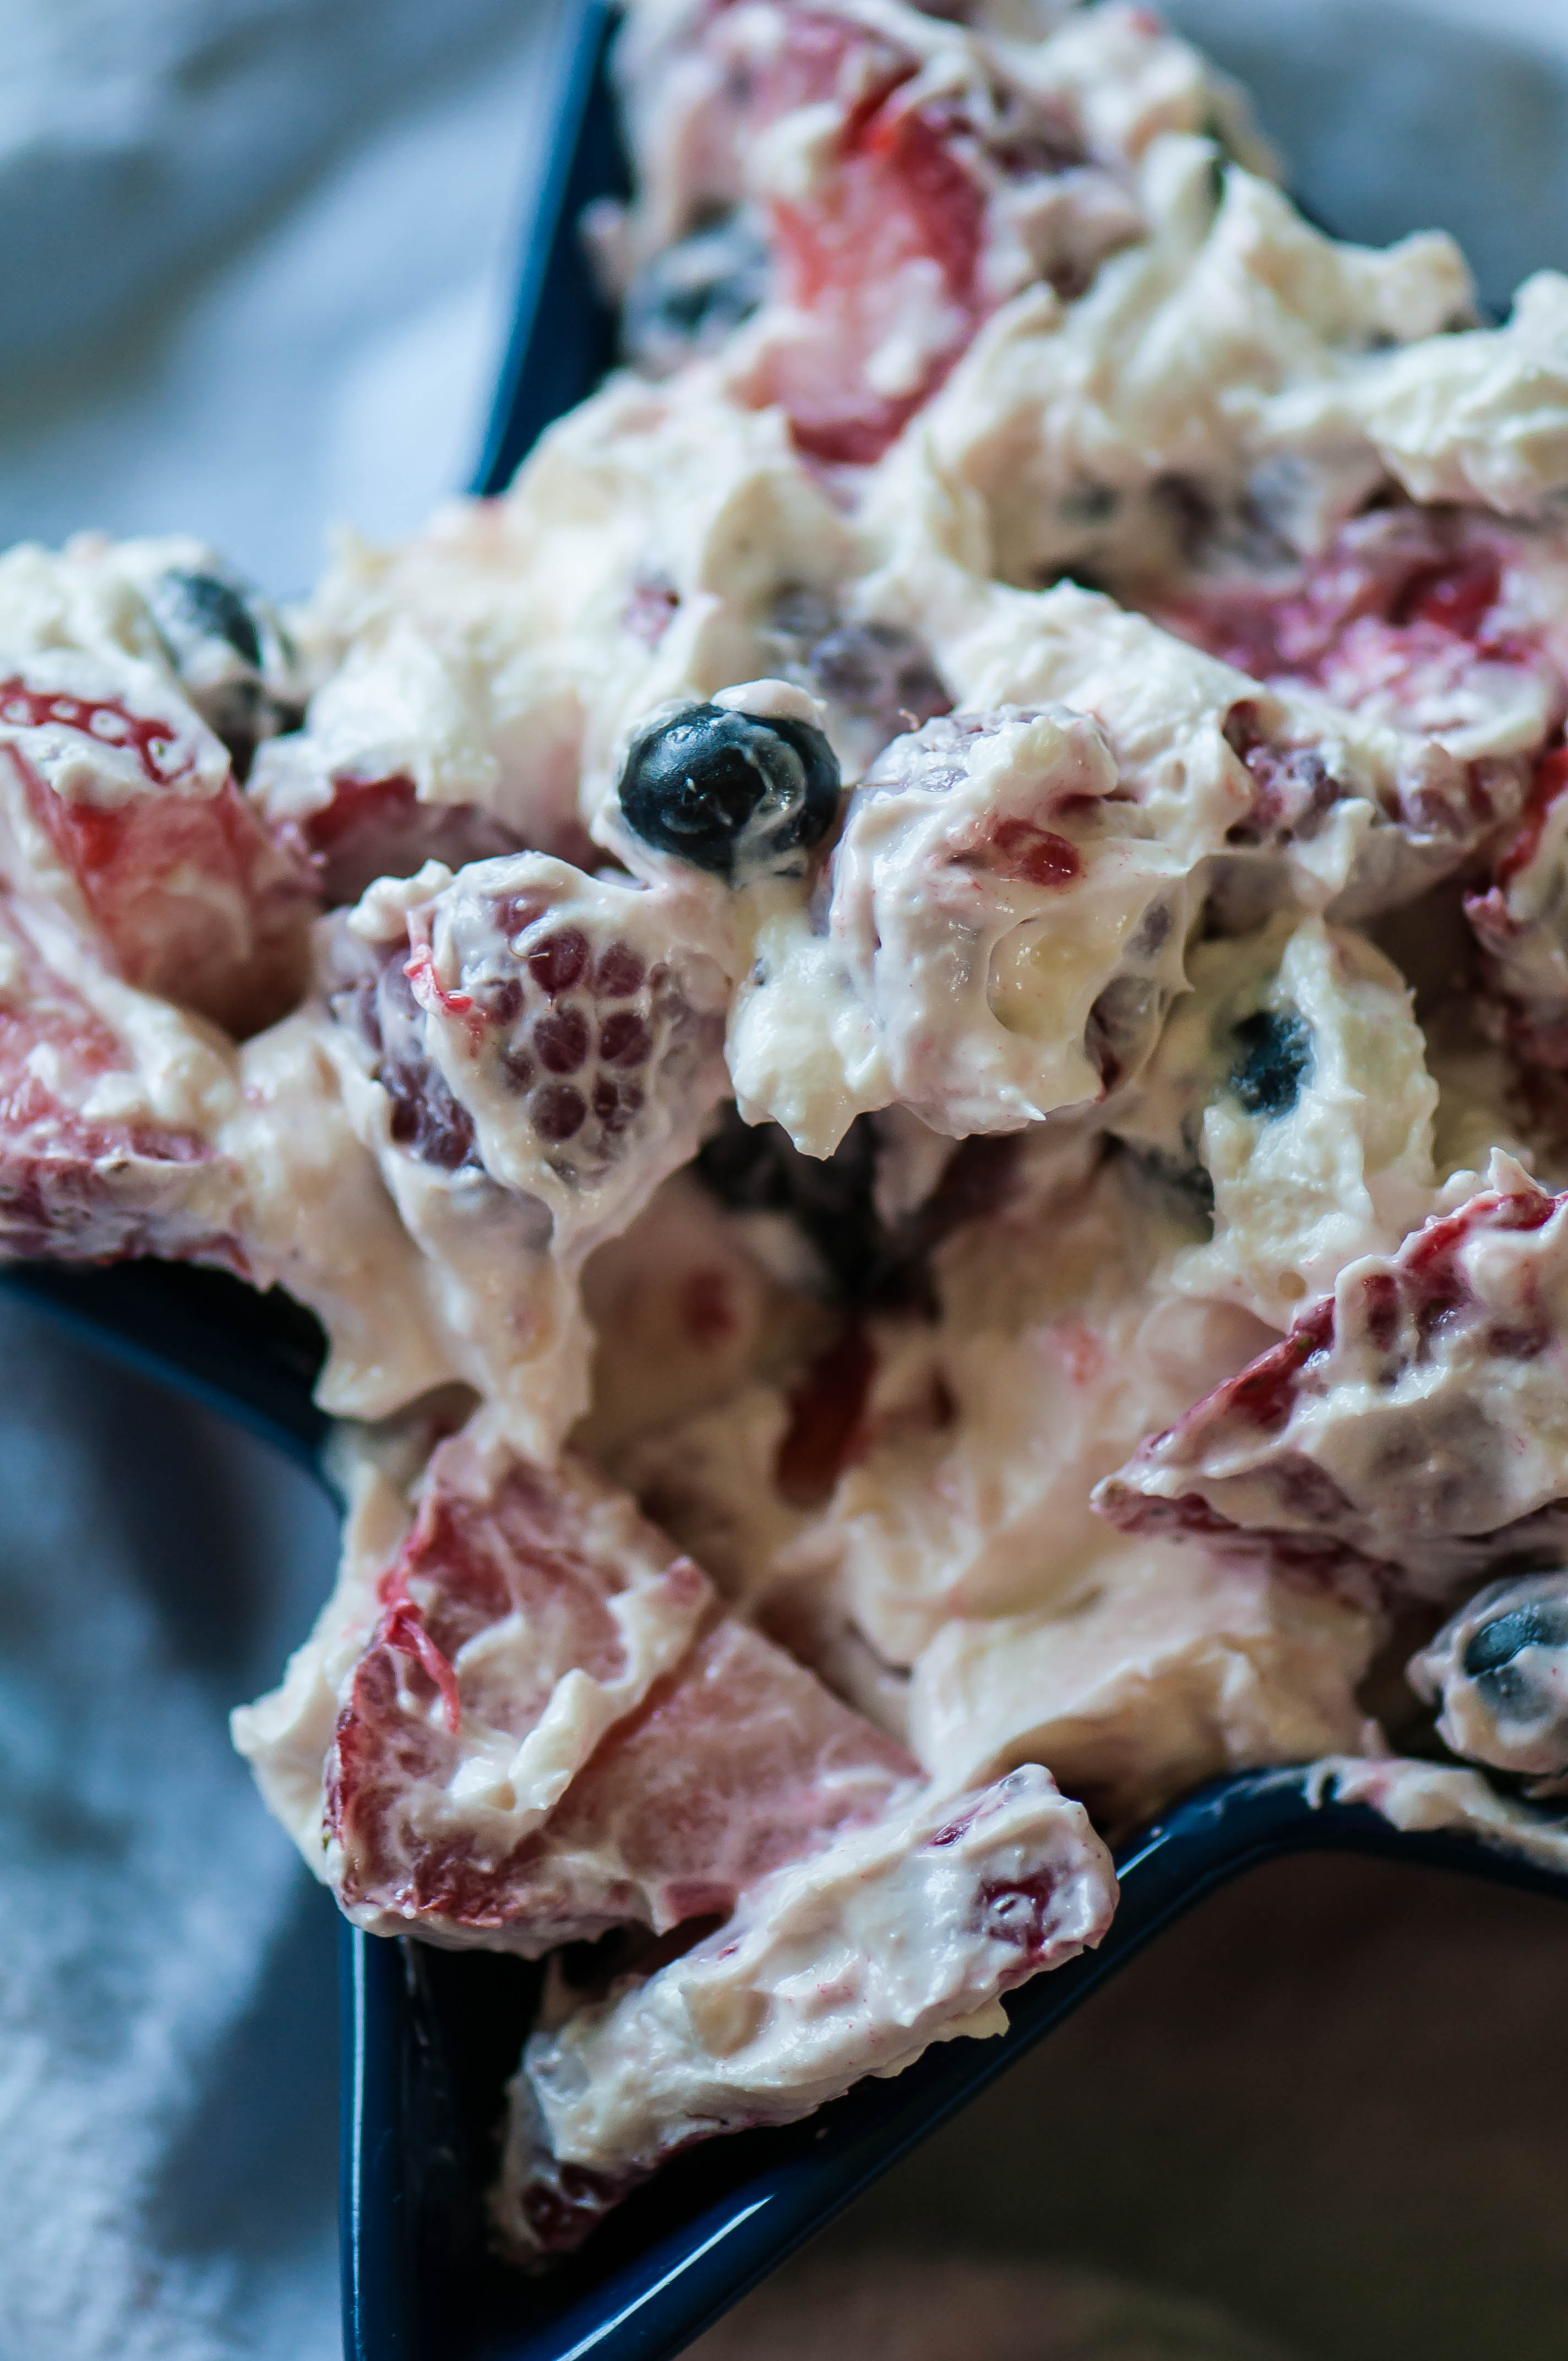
(1294, 1074)
(1172, 1666)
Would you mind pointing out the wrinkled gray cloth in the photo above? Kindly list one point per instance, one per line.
(258, 258)
(168, 2051)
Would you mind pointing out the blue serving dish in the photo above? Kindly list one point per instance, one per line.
(429, 2037)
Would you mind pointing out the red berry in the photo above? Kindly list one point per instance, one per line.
(559, 962)
(561, 1040)
(619, 972)
(557, 1111)
(624, 1039)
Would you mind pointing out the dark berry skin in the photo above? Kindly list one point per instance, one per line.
(208, 607)
(733, 794)
(249, 702)
(1273, 1052)
(757, 1168)
(1489, 1658)
(1183, 1179)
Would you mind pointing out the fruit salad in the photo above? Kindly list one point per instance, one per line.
(907, 1020)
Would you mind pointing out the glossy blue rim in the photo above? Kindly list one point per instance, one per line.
(564, 334)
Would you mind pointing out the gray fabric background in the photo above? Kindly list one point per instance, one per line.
(255, 262)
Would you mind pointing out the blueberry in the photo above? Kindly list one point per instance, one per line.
(731, 793)
(232, 655)
(691, 296)
(877, 679)
(879, 671)
(1273, 1052)
(1490, 1656)
(203, 607)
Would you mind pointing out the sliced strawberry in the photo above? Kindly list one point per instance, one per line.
(883, 249)
(1406, 1436)
(153, 845)
(78, 1180)
(679, 1757)
(1408, 613)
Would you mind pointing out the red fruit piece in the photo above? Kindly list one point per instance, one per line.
(828, 1426)
(557, 1114)
(76, 1185)
(1400, 615)
(1035, 856)
(1518, 921)
(887, 241)
(847, 1963)
(156, 850)
(561, 1040)
(378, 828)
(624, 1038)
(618, 974)
(702, 1759)
(425, 1118)
(559, 960)
(577, 1030)
(1405, 1435)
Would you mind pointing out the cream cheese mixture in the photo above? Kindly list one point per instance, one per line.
(907, 1021)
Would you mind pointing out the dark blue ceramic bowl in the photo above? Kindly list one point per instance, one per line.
(429, 2037)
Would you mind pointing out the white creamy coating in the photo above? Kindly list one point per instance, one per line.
(1058, 414)
(1398, 810)
(968, 1495)
(981, 899)
(504, 654)
(175, 1071)
(499, 1787)
(101, 597)
(1116, 70)
(317, 1220)
(115, 1137)
(503, 1787)
(1172, 1667)
(102, 765)
(1342, 1166)
(590, 1195)
(66, 727)
(1477, 417)
(504, 1230)
(396, 706)
(1430, 1796)
(1428, 1424)
(509, 1322)
(848, 1963)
